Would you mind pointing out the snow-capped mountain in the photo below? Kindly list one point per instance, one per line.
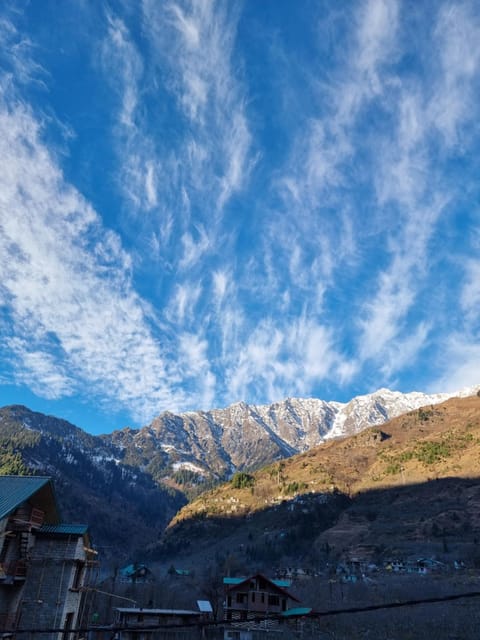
(212, 445)
(127, 482)
(218, 442)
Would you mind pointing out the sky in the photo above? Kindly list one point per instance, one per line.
(208, 202)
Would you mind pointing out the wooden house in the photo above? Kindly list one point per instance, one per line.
(257, 597)
(134, 623)
(136, 573)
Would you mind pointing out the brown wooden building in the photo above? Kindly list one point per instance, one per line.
(256, 597)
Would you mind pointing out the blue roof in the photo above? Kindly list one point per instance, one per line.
(282, 583)
(64, 529)
(14, 490)
(279, 583)
(132, 569)
(229, 580)
(298, 611)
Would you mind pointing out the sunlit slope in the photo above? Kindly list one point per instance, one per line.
(434, 442)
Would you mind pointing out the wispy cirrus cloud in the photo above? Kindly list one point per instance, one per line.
(124, 69)
(76, 321)
(196, 40)
(409, 179)
(283, 204)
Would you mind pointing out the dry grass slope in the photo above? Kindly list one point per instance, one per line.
(409, 487)
(430, 443)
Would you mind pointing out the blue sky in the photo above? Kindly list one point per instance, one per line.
(204, 202)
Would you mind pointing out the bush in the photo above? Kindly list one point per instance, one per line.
(242, 480)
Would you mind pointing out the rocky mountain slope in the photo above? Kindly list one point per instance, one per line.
(409, 487)
(130, 483)
(124, 506)
(195, 446)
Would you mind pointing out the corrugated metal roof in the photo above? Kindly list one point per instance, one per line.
(285, 584)
(238, 582)
(64, 529)
(157, 612)
(229, 580)
(17, 489)
(279, 583)
(298, 611)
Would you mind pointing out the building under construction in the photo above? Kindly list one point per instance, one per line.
(45, 565)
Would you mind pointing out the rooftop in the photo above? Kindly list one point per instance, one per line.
(14, 490)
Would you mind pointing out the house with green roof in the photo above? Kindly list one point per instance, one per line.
(45, 564)
(257, 604)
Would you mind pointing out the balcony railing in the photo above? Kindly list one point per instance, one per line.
(25, 521)
(16, 570)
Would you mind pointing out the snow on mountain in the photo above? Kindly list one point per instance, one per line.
(217, 443)
(242, 436)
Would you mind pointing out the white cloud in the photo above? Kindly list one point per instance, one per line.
(195, 365)
(39, 370)
(195, 41)
(325, 146)
(220, 284)
(193, 247)
(124, 71)
(183, 306)
(459, 363)
(280, 359)
(457, 38)
(378, 21)
(470, 294)
(407, 177)
(66, 286)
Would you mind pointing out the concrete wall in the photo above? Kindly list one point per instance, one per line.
(47, 596)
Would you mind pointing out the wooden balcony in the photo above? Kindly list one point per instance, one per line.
(24, 521)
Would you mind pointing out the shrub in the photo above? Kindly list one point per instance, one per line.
(242, 480)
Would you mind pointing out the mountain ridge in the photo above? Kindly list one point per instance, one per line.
(411, 486)
(216, 443)
(131, 483)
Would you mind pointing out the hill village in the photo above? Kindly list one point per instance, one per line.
(52, 586)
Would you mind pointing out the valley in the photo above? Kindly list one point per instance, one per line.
(358, 525)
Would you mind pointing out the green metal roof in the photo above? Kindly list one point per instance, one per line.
(229, 580)
(14, 490)
(298, 611)
(282, 583)
(64, 529)
(279, 583)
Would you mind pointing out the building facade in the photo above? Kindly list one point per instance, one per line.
(256, 597)
(45, 565)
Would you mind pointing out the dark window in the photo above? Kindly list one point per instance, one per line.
(273, 600)
(77, 577)
(67, 626)
(253, 596)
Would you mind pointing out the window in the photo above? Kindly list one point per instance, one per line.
(273, 600)
(67, 626)
(241, 598)
(253, 596)
(77, 576)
